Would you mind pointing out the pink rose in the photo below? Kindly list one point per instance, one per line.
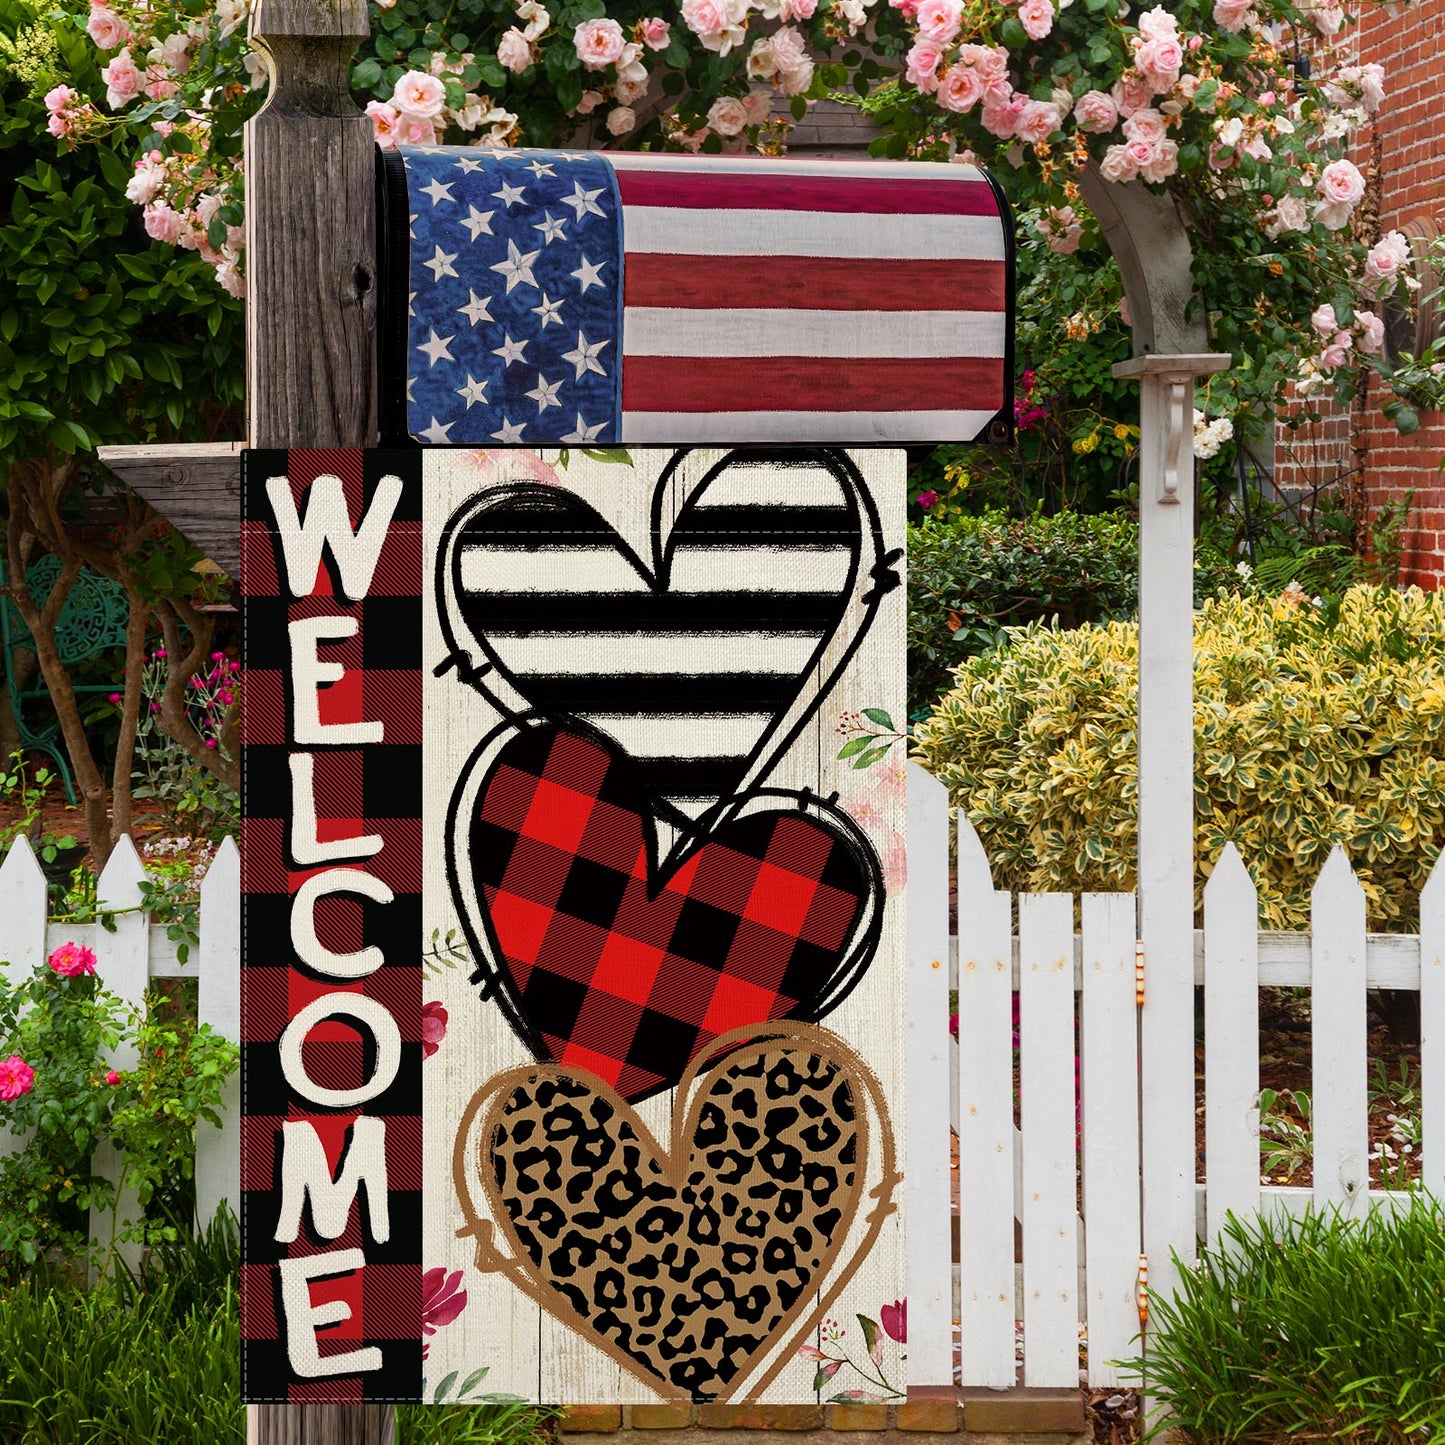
(71, 960)
(621, 119)
(906, 8)
(717, 23)
(419, 95)
(56, 100)
(1291, 214)
(1145, 125)
(1341, 183)
(591, 99)
(990, 61)
(1162, 164)
(796, 81)
(514, 51)
(922, 67)
(939, 20)
(1096, 112)
(727, 115)
(1141, 153)
(598, 43)
(759, 106)
(415, 130)
(1332, 215)
(656, 33)
(433, 1027)
(959, 88)
(106, 28)
(162, 89)
(1337, 352)
(1388, 256)
(1038, 120)
(1116, 165)
(162, 223)
(111, 1077)
(1232, 15)
(122, 80)
(1323, 320)
(16, 1077)
(1158, 24)
(58, 124)
(1001, 117)
(384, 121)
(789, 50)
(1036, 17)
(797, 10)
(1159, 61)
(231, 281)
(1372, 332)
(1131, 94)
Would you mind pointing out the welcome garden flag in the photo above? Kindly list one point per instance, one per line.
(573, 948)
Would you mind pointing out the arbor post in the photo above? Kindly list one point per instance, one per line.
(311, 351)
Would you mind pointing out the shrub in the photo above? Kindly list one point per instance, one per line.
(1316, 1328)
(1312, 726)
(971, 578)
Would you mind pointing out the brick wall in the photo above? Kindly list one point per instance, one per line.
(1409, 41)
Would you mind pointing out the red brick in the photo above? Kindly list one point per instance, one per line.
(591, 1419)
(760, 1417)
(659, 1417)
(857, 1417)
(938, 1416)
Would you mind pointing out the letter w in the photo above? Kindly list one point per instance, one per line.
(304, 1170)
(327, 523)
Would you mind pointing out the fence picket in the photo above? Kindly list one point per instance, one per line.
(985, 1115)
(23, 904)
(1231, 1039)
(1108, 1062)
(929, 1233)
(1432, 1031)
(218, 1151)
(1339, 1063)
(124, 969)
(1049, 1122)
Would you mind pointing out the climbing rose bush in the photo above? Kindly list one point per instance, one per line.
(1201, 99)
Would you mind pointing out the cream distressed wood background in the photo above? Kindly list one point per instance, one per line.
(529, 1353)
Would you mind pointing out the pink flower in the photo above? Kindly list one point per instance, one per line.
(419, 95)
(1341, 183)
(16, 1077)
(56, 100)
(797, 10)
(1159, 61)
(1232, 15)
(991, 62)
(1324, 321)
(1337, 352)
(1333, 215)
(114, 698)
(788, 50)
(162, 223)
(927, 500)
(71, 960)
(1388, 257)
(122, 80)
(442, 1299)
(959, 88)
(621, 119)
(112, 1077)
(906, 8)
(598, 43)
(415, 130)
(1001, 117)
(894, 1319)
(939, 20)
(1036, 17)
(433, 1027)
(922, 67)
(589, 102)
(1158, 24)
(656, 33)
(1130, 94)
(1038, 120)
(162, 89)
(727, 115)
(1372, 332)
(383, 123)
(1146, 125)
(106, 28)
(514, 51)
(1117, 166)
(1096, 112)
(719, 24)
(1162, 164)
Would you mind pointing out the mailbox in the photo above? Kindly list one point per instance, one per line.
(555, 297)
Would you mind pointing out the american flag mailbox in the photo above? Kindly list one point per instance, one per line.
(554, 297)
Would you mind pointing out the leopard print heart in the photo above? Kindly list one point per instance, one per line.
(687, 1267)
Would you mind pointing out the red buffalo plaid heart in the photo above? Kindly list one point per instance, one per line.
(607, 964)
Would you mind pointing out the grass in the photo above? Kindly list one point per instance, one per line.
(1315, 1328)
(156, 1358)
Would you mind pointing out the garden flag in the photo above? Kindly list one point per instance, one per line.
(572, 986)
(589, 299)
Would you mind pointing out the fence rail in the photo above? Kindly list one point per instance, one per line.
(1029, 1189)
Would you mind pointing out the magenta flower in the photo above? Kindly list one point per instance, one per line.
(433, 1027)
(894, 1319)
(927, 500)
(111, 1077)
(442, 1300)
(71, 960)
(114, 698)
(16, 1077)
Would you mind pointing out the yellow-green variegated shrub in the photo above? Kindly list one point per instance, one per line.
(1309, 729)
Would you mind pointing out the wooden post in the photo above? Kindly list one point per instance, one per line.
(311, 349)
(310, 234)
(1166, 801)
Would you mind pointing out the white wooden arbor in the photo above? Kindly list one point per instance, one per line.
(311, 371)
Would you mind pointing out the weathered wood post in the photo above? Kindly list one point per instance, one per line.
(311, 349)
(1151, 244)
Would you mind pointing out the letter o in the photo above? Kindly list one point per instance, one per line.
(365, 1010)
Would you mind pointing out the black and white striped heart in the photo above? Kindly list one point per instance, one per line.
(702, 660)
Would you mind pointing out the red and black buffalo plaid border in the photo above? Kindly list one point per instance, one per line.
(372, 789)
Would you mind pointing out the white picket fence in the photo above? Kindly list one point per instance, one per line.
(1060, 1172)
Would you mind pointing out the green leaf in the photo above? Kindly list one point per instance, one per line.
(367, 75)
(877, 715)
(799, 107)
(472, 1381)
(869, 758)
(444, 1386)
(870, 1332)
(854, 746)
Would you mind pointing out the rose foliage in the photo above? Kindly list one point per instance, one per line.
(1202, 100)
